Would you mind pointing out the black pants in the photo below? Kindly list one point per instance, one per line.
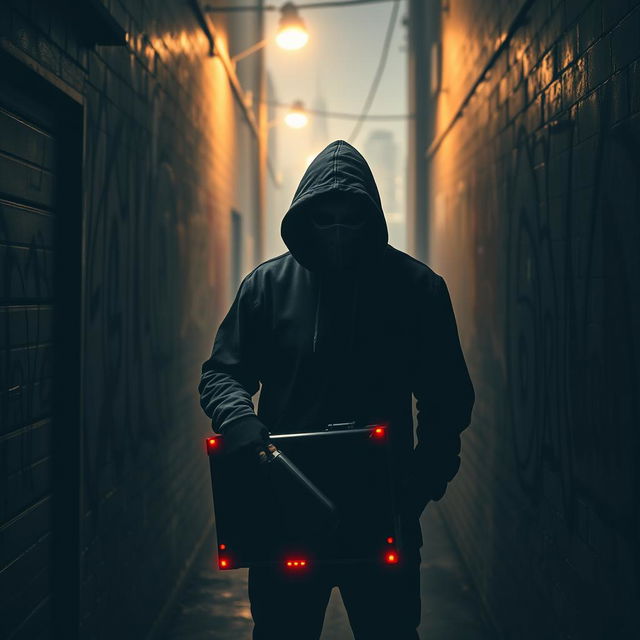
(382, 601)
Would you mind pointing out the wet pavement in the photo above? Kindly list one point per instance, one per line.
(214, 604)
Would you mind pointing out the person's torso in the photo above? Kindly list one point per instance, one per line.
(341, 352)
(335, 351)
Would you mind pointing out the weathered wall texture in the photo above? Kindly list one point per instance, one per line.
(534, 222)
(167, 155)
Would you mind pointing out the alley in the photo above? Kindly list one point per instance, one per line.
(258, 219)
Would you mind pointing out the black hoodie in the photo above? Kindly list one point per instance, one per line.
(333, 349)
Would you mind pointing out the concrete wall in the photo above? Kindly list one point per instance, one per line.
(168, 153)
(533, 219)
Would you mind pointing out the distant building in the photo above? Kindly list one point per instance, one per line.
(381, 152)
(318, 130)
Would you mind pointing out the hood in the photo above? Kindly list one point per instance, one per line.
(338, 168)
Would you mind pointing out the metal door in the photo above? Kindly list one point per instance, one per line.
(28, 182)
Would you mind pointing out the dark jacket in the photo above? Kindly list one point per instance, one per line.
(335, 349)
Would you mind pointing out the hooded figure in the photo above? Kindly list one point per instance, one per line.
(343, 327)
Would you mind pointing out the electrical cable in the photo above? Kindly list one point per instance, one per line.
(378, 75)
(347, 116)
(336, 3)
(311, 5)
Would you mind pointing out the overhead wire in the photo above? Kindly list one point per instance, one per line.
(347, 116)
(336, 3)
(312, 5)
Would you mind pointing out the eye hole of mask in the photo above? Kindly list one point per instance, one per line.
(326, 218)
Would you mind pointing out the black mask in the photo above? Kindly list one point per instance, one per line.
(339, 230)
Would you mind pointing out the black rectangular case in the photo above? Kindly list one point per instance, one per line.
(325, 497)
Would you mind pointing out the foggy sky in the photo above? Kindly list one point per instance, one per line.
(340, 59)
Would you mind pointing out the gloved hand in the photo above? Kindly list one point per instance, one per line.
(246, 435)
(262, 454)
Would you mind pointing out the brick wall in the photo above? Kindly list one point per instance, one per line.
(167, 153)
(533, 219)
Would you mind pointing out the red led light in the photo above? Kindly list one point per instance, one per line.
(378, 432)
(223, 563)
(296, 563)
(390, 540)
(391, 557)
(222, 546)
(213, 441)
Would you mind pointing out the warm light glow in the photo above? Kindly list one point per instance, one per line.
(292, 38)
(296, 119)
(392, 558)
(213, 441)
(223, 563)
(378, 432)
(390, 540)
(223, 546)
(292, 31)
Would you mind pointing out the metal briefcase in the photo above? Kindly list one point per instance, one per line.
(326, 496)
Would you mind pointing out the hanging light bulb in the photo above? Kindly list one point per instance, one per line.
(292, 31)
(297, 116)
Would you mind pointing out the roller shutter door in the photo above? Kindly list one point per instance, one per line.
(28, 151)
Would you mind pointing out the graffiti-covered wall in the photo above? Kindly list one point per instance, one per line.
(162, 170)
(534, 221)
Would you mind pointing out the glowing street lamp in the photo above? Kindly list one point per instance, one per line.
(297, 116)
(292, 31)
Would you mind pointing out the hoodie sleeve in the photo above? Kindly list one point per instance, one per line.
(230, 376)
(444, 398)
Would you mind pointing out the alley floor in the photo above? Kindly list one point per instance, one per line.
(214, 604)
